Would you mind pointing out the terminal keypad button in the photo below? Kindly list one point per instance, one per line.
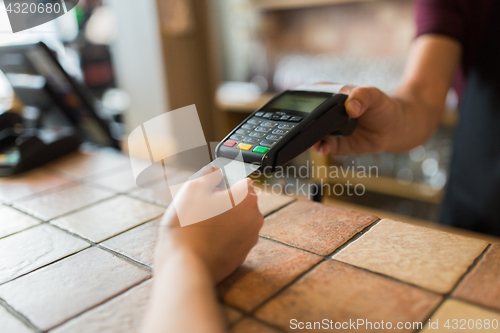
(256, 135)
(262, 129)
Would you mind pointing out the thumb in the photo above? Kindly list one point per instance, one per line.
(241, 190)
(360, 99)
(208, 178)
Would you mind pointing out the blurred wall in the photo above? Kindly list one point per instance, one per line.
(189, 44)
(138, 59)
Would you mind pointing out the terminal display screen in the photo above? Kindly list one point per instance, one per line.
(296, 102)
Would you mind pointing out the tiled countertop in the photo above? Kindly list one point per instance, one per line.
(77, 240)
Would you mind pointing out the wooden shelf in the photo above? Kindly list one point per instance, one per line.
(294, 4)
(243, 107)
(391, 186)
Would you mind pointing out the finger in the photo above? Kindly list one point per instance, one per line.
(361, 99)
(242, 189)
(316, 146)
(203, 171)
(353, 106)
(325, 148)
(245, 184)
(322, 147)
(347, 89)
(210, 179)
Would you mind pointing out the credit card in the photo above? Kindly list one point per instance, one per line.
(232, 170)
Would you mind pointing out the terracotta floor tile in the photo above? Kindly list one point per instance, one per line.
(268, 268)
(12, 221)
(11, 324)
(425, 257)
(62, 201)
(160, 197)
(33, 248)
(56, 293)
(482, 284)
(29, 184)
(463, 312)
(339, 292)
(119, 181)
(89, 162)
(314, 227)
(138, 243)
(269, 203)
(108, 218)
(231, 315)
(248, 325)
(122, 314)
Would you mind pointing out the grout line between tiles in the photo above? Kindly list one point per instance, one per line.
(73, 177)
(354, 238)
(324, 258)
(222, 305)
(54, 189)
(19, 231)
(95, 183)
(265, 323)
(130, 195)
(114, 195)
(47, 264)
(484, 307)
(327, 256)
(388, 277)
(251, 313)
(72, 234)
(247, 316)
(471, 267)
(347, 243)
(243, 316)
(70, 212)
(98, 304)
(42, 192)
(125, 258)
(102, 187)
(448, 295)
(280, 208)
(426, 320)
(131, 228)
(102, 303)
(91, 244)
(19, 316)
(146, 267)
(292, 246)
(98, 245)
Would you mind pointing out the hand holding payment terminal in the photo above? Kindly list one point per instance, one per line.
(289, 124)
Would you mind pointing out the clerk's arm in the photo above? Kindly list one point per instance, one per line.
(190, 260)
(412, 114)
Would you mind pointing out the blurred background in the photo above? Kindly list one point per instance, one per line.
(142, 58)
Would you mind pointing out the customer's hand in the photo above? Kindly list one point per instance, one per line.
(377, 114)
(221, 242)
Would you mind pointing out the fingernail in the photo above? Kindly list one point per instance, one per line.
(355, 107)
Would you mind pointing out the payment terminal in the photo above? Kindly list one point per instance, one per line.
(289, 124)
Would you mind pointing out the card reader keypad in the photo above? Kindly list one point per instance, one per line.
(263, 131)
